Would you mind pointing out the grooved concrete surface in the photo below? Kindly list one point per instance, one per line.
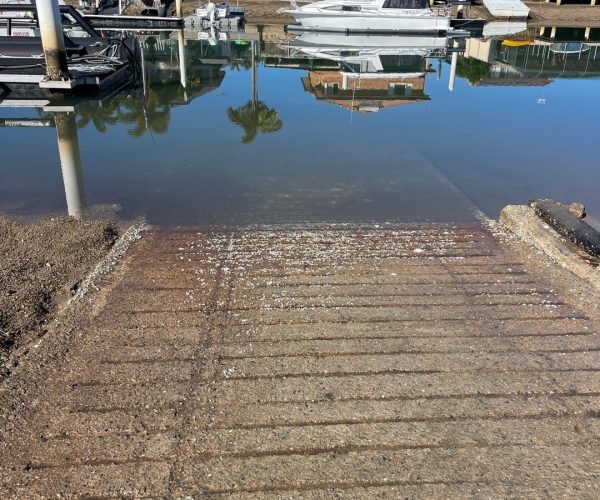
(329, 361)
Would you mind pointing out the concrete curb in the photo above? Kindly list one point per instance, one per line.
(524, 222)
(561, 218)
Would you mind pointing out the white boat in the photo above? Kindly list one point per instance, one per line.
(374, 16)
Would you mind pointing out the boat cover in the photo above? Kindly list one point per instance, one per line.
(405, 4)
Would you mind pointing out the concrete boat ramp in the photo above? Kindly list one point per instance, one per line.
(316, 361)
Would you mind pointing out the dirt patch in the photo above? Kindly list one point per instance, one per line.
(41, 264)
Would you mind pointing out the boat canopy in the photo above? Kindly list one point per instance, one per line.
(405, 4)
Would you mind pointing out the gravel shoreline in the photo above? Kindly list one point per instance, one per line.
(41, 266)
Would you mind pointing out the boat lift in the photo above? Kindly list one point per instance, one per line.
(40, 57)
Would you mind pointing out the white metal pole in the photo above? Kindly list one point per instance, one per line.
(182, 68)
(70, 162)
(53, 41)
(178, 8)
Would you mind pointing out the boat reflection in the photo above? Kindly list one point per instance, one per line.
(359, 73)
(370, 72)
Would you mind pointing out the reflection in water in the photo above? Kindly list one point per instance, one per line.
(144, 113)
(526, 61)
(255, 116)
(366, 72)
(70, 163)
(371, 171)
(453, 69)
(182, 62)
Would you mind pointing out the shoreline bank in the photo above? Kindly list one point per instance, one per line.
(41, 266)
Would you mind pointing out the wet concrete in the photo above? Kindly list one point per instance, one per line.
(312, 361)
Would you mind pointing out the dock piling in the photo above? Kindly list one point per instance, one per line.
(53, 41)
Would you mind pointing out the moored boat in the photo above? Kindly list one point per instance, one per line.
(372, 16)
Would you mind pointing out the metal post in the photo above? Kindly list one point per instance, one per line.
(178, 8)
(52, 39)
(182, 68)
(70, 162)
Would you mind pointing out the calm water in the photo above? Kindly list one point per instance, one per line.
(332, 130)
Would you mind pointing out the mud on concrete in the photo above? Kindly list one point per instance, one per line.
(40, 266)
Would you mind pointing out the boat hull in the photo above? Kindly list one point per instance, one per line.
(370, 23)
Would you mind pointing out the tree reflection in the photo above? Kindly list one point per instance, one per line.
(149, 113)
(100, 117)
(255, 116)
(472, 69)
(146, 115)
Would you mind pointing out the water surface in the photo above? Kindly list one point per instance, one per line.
(284, 136)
